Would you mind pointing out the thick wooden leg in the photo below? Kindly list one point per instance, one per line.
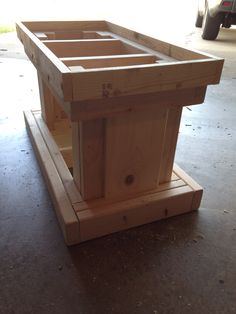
(88, 157)
(119, 156)
(50, 107)
(170, 142)
(47, 103)
(134, 148)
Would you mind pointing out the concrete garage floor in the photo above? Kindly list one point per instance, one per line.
(185, 264)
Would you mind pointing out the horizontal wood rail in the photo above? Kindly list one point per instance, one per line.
(73, 34)
(86, 47)
(109, 61)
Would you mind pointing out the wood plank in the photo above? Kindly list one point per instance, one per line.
(198, 190)
(110, 61)
(88, 156)
(176, 52)
(74, 34)
(174, 177)
(102, 202)
(63, 139)
(76, 154)
(82, 41)
(70, 61)
(170, 142)
(67, 156)
(111, 106)
(52, 107)
(143, 79)
(134, 145)
(59, 162)
(123, 215)
(53, 71)
(45, 26)
(76, 48)
(47, 104)
(65, 213)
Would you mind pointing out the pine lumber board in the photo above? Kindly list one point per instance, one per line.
(169, 49)
(141, 79)
(123, 215)
(134, 146)
(58, 160)
(99, 203)
(111, 106)
(64, 210)
(170, 142)
(109, 61)
(85, 47)
(49, 66)
(198, 190)
(75, 34)
(88, 140)
(47, 26)
(193, 69)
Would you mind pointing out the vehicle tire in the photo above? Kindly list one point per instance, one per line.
(199, 20)
(211, 25)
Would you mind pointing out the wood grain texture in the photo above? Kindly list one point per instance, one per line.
(141, 79)
(75, 34)
(47, 104)
(123, 215)
(46, 26)
(99, 218)
(88, 153)
(198, 190)
(76, 48)
(176, 182)
(125, 113)
(67, 218)
(58, 160)
(53, 71)
(193, 69)
(134, 145)
(176, 52)
(109, 61)
(108, 107)
(170, 142)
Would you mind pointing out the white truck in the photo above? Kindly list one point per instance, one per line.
(212, 14)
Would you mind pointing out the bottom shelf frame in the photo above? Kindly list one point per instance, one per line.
(84, 220)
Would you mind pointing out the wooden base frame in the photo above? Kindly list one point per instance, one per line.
(84, 220)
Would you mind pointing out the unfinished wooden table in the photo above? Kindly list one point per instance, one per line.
(111, 103)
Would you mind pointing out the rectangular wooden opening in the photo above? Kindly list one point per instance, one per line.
(93, 47)
(109, 61)
(71, 34)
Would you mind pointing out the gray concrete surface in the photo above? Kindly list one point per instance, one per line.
(182, 265)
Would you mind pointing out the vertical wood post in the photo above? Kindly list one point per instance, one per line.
(47, 103)
(170, 142)
(88, 157)
(134, 148)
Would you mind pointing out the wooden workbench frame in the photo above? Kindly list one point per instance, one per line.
(111, 104)
(174, 69)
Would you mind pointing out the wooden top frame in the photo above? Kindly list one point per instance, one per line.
(94, 60)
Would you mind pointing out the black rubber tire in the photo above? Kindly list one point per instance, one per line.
(199, 20)
(211, 26)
